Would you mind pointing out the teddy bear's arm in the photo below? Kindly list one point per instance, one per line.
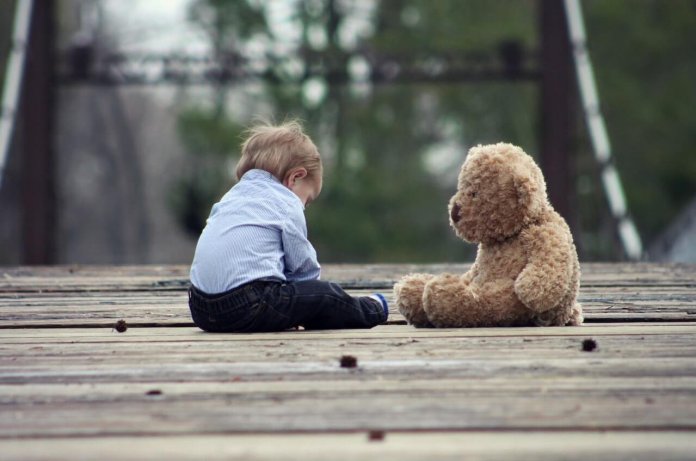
(469, 275)
(545, 280)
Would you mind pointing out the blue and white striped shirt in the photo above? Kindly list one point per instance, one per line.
(257, 230)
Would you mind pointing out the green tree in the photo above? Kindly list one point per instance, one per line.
(392, 150)
(209, 135)
(645, 68)
(380, 201)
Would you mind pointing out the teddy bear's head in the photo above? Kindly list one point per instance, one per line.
(500, 191)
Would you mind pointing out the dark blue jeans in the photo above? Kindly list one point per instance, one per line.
(275, 306)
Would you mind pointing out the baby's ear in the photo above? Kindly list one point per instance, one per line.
(301, 172)
(295, 174)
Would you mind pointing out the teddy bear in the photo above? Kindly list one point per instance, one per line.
(526, 271)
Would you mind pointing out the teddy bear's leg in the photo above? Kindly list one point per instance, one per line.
(448, 301)
(409, 298)
(453, 302)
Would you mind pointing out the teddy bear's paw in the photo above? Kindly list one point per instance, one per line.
(561, 316)
(550, 318)
(534, 295)
(408, 293)
(576, 317)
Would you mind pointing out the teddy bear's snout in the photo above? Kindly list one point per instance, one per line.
(455, 214)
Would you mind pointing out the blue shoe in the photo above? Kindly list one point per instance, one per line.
(383, 301)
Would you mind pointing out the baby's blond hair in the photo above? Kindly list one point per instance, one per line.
(278, 149)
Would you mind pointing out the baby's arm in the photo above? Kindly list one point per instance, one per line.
(300, 257)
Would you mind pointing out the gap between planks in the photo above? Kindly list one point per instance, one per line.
(394, 331)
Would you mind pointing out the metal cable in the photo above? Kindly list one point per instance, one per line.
(630, 239)
(13, 78)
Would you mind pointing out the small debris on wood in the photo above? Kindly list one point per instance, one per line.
(121, 326)
(403, 343)
(154, 392)
(348, 361)
(375, 436)
(588, 345)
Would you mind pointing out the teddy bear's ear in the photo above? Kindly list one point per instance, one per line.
(531, 191)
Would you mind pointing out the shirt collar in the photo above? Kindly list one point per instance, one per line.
(259, 174)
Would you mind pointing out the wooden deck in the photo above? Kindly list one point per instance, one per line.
(72, 387)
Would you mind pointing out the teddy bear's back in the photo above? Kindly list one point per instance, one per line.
(501, 263)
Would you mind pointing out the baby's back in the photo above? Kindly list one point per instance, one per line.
(242, 239)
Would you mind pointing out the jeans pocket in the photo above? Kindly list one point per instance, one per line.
(270, 315)
(223, 321)
(268, 319)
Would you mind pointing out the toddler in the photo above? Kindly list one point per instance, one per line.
(254, 269)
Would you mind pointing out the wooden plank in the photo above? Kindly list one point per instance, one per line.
(90, 383)
(326, 406)
(97, 296)
(401, 446)
(584, 406)
(593, 274)
(649, 293)
(109, 335)
(169, 308)
(42, 393)
(493, 393)
(28, 349)
(101, 362)
(163, 278)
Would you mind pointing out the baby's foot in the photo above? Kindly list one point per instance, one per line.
(383, 302)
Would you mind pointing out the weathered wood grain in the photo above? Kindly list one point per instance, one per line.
(128, 278)
(140, 308)
(356, 410)
(71, 387)
(109, 335)
(60, 382)
(392, 446)
(64, 356)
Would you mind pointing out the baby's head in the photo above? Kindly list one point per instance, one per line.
(287, 153)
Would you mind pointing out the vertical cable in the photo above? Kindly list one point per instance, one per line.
(630, 239)
(13, 78)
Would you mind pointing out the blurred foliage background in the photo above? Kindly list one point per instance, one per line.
(392, 151)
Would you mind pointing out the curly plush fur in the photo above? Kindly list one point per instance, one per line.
(526, 270)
